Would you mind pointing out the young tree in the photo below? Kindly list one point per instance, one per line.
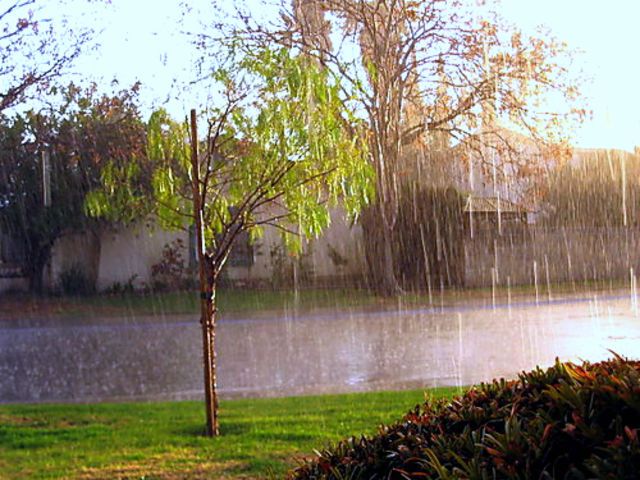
(279, 151)
(79, 137)
(420, 71)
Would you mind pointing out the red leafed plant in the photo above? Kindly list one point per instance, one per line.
(171, 272)
(569, 422)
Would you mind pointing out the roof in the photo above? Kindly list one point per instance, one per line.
(492, 205)
(496, 135)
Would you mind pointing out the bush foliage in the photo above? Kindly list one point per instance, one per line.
(171, 272)
(75, 281)
(566, 422)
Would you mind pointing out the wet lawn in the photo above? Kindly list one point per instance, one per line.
(235, 301)
(261, 438)
(242, 301)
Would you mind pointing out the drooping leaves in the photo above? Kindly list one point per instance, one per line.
(280, 151)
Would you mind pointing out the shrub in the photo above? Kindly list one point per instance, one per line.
(74, 281)
(119, 288)
(565, 422)
(171, 272)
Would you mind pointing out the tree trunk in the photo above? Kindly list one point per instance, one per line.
(37, 261)
(208, 272)
(208, 322)
(378, 240)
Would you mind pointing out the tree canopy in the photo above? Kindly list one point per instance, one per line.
(278, 151)
(425, 75)
(85, 133)
(35, 47)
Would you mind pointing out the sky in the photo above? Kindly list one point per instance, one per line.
(143, 39)
(607, 33)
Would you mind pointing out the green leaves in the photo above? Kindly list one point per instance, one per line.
(280, 151)
(119, 200)
(168, 141)
(301, 149)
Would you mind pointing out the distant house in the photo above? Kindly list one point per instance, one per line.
(127, 257)
(493, 212)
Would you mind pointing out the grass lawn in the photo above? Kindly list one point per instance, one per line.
(229, 300)
(260, 437)
(241, 301)
(235, 301)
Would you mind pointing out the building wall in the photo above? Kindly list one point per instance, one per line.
(13, 284)
(132, 252)
(121, 255)
(80, 250)
(118, 256)
(335, 256)
(522, 255)
(339, 251)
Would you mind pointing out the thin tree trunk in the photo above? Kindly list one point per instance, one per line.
(208, 322)
(207, 274)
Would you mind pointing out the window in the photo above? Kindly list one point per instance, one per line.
(241, 254)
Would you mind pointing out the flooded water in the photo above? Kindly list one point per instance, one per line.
(308, 353)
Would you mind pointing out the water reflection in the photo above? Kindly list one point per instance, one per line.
(312, 353)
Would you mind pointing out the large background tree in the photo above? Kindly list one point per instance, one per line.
(421, 72)
(81, 136)
(37, 43)
(279, 151)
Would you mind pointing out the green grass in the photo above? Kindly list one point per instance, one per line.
(233, 301)
(229, 300)
(260, 437)
(240, 301)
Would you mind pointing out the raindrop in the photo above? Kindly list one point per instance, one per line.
(546, 269)
(493, 287)
(634, 291)
(535, 281)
